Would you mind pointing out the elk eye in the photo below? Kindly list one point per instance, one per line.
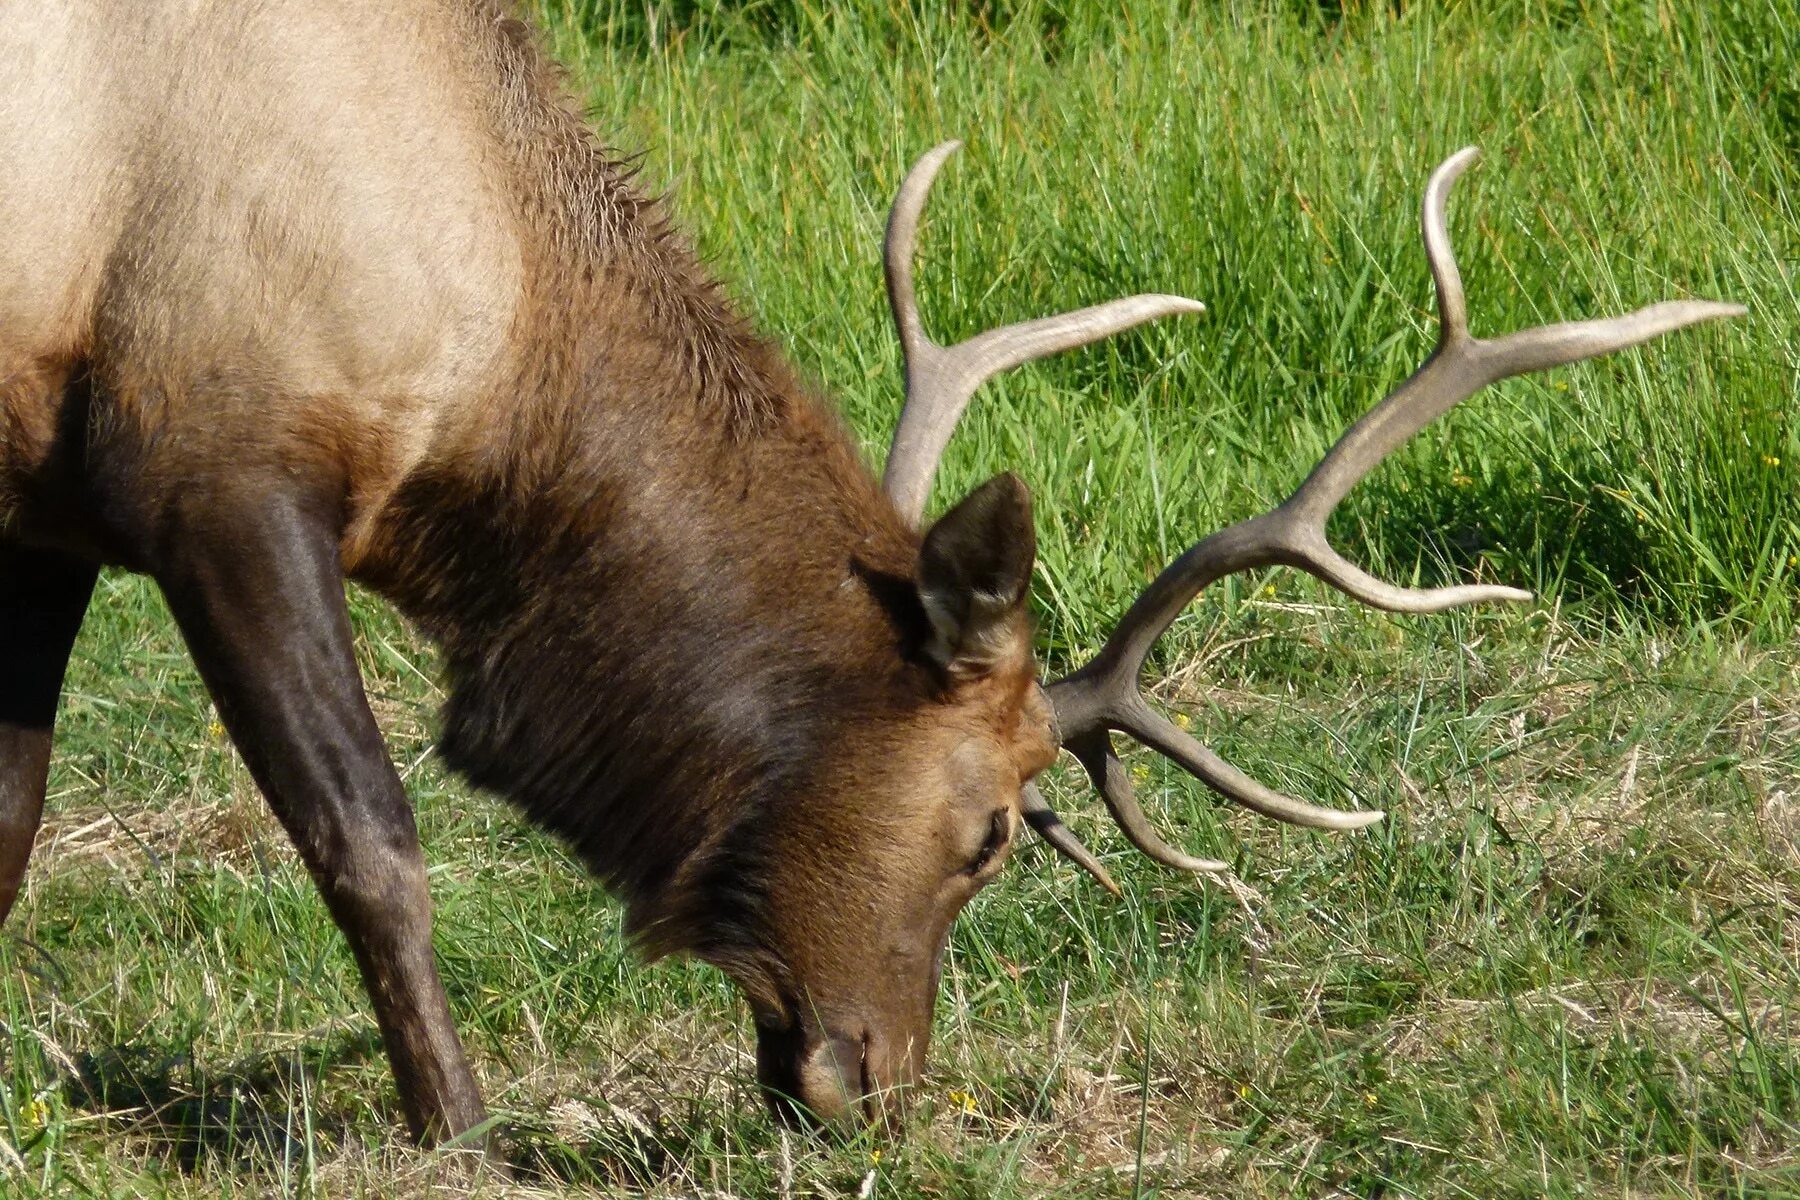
(996, 839)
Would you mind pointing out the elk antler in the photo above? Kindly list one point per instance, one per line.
(940, 379)
(1104, 695)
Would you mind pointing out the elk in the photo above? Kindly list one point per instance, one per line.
(339, 289)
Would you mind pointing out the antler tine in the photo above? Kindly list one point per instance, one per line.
(1040, 816)
(1105, 694)
(1462, 364)
(939, 379)
(1096, 754)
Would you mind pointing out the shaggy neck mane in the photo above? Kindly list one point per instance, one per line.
(660, 575)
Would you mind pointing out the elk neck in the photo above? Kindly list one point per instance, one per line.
(660, 575)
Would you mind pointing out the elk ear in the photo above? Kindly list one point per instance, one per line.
(974, 575)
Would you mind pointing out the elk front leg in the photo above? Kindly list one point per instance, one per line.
(42, 598)
(258, 591)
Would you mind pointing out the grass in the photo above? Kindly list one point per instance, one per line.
(1567, 965)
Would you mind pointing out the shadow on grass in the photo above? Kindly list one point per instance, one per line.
(249, 1116)
(762, 25)
(1522, 523)
(597, 1144)
(240, 1115)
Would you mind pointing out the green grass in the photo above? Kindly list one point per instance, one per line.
(1567, 965)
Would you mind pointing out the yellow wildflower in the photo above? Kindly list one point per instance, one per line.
(1771, 460)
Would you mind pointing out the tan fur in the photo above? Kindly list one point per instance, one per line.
(219, 231)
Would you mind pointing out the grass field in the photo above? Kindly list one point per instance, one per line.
(1569, 962)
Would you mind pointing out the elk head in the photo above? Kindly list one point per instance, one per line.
(869, 918)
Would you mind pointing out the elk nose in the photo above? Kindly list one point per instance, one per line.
(823, 1081)
(834, 1078)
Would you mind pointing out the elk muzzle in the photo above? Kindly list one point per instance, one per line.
(842, 1079)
